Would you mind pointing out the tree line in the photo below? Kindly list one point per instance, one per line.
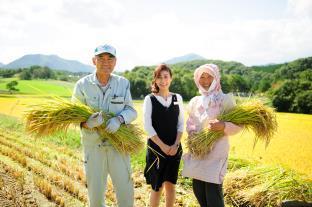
(287, 85)
(39, 72)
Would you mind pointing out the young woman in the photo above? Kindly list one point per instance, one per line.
(164, 123)
(208, 172)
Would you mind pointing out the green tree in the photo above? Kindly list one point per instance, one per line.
(303, 102)
(306, 75)
(264, 85)
(226, 87)
(25, 75)
(8, 73)
(11, 86)
(139, 88)
(238, 83)
(290, 96)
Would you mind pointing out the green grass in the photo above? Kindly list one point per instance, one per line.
(11, 122)
(40, 87)
(69, 139)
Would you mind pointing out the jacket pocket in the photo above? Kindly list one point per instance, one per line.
(116, 104)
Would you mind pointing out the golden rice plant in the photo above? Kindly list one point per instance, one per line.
(251, 115)
(12, 170)
(58, 114)
(265, 186)
(55, 163)
(47, 189)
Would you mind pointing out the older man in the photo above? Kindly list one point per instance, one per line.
(107, 92)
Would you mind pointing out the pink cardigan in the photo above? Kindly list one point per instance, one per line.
(213, 166)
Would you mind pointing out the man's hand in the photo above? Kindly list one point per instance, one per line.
(95, 120)
(113, 125)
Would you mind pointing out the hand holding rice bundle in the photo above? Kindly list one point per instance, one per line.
(251, 115)
(58, 114)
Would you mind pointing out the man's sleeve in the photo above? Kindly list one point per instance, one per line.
(128, 113)
(78, 94)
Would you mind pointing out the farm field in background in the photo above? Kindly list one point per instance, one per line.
(40, 87)
(290, 148)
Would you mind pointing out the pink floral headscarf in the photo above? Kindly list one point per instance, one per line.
(211, 97)
(212, 70)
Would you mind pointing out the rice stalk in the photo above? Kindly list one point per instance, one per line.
(58, 114)
(265, 186)
(251, 115)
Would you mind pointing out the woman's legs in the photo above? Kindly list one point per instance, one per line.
(155, 197)
(208, 194)
(214, 195)
(199, 191)
(170, 193)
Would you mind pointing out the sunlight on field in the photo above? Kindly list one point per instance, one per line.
(15, 105)
(291, 147)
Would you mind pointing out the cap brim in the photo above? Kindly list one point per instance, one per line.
(101, 52)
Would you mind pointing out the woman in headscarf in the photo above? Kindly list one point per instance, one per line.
(208, 172)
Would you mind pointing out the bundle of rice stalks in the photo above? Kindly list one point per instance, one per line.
(265, 186)
(58, 114)
(251, 115)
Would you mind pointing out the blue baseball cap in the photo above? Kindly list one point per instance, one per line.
(105, 49)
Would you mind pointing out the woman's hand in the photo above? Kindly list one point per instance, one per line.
(191, 133)
(165, 148)
(216, 125)
(173, 149)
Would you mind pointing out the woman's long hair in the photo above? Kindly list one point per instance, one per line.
(157, 71)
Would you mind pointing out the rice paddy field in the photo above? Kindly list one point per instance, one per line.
(48, 171)
(40, 87)
(291, 147)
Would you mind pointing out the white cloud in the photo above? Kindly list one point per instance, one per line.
(93, 12)
(72, 29)
(300, 8)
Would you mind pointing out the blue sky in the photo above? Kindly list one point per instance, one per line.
(253, 32)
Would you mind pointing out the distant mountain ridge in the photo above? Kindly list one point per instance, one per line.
(51, 61)
(1, 64)
(184, 58)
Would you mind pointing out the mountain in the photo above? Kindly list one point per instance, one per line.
(184, 58)
(51, 61)
(1, 64)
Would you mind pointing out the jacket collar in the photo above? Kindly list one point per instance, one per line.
(95, 81)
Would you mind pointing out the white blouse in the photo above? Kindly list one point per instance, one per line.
(147, 113)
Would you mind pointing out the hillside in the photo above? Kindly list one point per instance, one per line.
(184, 58)
(51, 61)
